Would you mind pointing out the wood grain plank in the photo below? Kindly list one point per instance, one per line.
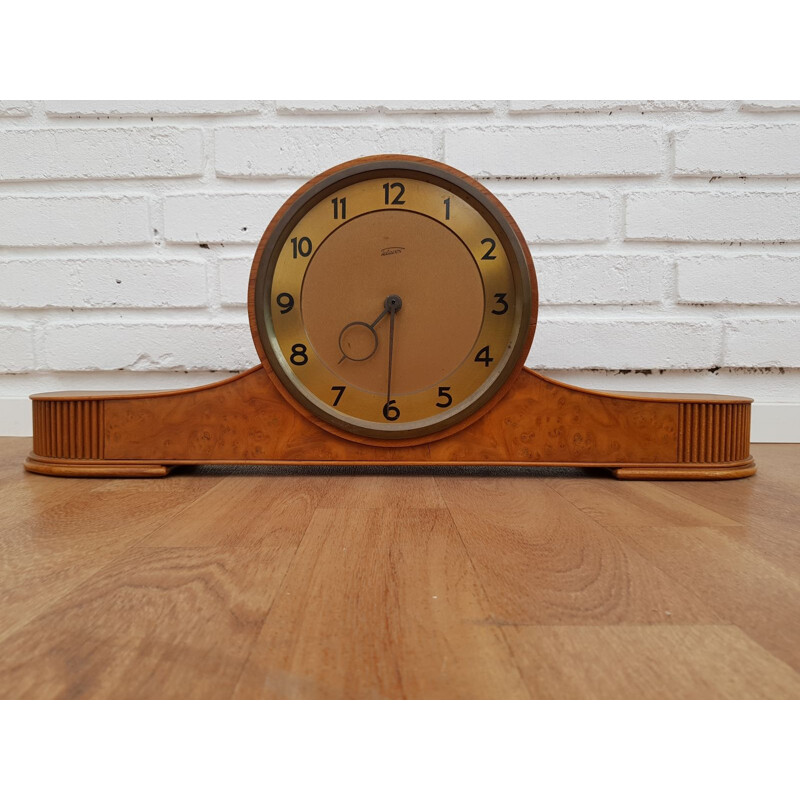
(767, 506)
(635, 503)
(240, 511)
(157, 622)
(542, 561)
(13, 452)
(380, 604)
(54, 540)
(383, 491)
(736, 582)
(648, 662)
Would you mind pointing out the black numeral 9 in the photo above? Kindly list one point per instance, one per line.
(285, 302)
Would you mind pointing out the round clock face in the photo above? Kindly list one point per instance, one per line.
(393, 298)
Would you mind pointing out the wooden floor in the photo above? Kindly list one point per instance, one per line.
(256, 583)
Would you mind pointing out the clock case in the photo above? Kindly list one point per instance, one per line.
(252, 418)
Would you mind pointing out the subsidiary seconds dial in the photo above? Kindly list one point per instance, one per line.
(393, 299)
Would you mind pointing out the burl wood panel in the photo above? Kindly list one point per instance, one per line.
(246, 420)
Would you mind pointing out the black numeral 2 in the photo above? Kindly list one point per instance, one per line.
(487, 256)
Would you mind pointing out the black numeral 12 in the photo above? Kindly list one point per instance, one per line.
(396, 201)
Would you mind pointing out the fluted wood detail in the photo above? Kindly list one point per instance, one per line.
(68, 428)
(713, 432)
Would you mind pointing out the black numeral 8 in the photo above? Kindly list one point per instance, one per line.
(299, 355)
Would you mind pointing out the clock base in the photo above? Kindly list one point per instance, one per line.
(245, 420)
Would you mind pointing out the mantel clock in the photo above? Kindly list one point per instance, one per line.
(392, 302)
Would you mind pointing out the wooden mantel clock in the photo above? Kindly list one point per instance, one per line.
(392, 302)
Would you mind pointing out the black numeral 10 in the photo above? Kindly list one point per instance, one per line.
(301, 247)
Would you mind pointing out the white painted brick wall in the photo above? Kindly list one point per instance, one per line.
(43, 155)
(665, 233)
(713, 216)
(277, 151)
(521, 151)
(757, 150)
(74, 220)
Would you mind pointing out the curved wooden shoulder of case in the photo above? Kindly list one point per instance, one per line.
(245, 420)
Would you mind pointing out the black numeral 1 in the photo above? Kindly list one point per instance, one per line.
(339, 207)
(447, 208)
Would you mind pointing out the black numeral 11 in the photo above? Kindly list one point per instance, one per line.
(339, 207)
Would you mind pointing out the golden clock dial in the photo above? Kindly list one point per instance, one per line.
(392, 298)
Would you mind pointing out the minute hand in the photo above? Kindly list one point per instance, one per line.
(393, 305)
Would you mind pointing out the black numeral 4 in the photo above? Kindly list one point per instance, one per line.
(483, 356)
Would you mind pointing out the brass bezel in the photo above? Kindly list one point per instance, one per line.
(339, 178)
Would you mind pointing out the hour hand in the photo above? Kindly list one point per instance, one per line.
(358, 340)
